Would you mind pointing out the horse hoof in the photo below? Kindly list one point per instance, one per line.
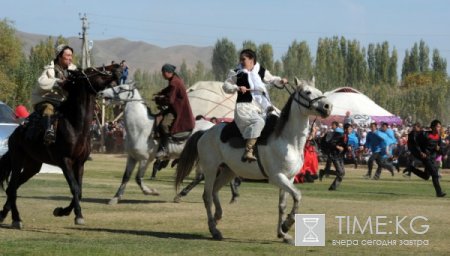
(218, 236)
(288, 241)
(17, 224)
(177, 199)
(79, 221)
(113, 201)
(151, 192)
(233, 201)
(57, 212)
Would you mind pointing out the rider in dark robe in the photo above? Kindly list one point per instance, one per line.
(176, 110)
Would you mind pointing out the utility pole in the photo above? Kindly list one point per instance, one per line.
(85, 56)
(86, 47)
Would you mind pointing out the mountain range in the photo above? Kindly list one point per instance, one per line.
(138, 54)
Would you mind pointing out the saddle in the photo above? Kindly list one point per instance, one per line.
(230, 133)
(34, 126)
(177, 138)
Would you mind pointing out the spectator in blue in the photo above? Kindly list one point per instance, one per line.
(385, 155)
(353, 145)
(391, 141)
(124, 76)
(377, 142)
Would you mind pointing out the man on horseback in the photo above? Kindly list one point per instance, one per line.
(175, 108)
(250, 81)
(50, 92)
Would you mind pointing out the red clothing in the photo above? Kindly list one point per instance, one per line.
(178, 103)
(310, 163)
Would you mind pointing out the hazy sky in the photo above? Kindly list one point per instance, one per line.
(203, 22)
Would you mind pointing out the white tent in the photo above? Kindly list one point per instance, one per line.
(46, 168)
(207, 98)
(362, 108)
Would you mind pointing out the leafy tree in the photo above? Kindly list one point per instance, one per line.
(439, 64)
(185, 74)
(297, 62)
(265, 56)
(330, 68)
(424, 59)
(405, 66)
(414, 61)
(248, 44)
(11, 58)
(371, 63)
(223, 59)
(392, 69)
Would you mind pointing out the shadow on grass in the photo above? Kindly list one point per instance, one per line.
(174, 235)
(156, 234)
(94, 200)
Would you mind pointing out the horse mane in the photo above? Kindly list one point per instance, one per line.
(284, 116)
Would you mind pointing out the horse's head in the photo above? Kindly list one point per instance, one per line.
(96, 79)
(311, 99)
(123, 92)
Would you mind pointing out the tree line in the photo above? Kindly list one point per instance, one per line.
(420, 90)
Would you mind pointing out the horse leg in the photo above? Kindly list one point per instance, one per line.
(156, 168)
(30, 168)
(143, 164)
(208, 200)
(285, 184)
(72, 173)
(131, 163)
(225, 176)
(234, 190)
(198, 178)
(281, 212)
(60, 211)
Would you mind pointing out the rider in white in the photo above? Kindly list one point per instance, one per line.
(250, 80)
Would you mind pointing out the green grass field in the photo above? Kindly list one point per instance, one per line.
(149, 225)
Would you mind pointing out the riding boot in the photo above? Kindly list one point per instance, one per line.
(437, 187)
(163, 146)
(49, 136)
(248, 154)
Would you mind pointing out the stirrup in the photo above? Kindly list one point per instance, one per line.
(49, 137)
(162, 152)
(248, 158)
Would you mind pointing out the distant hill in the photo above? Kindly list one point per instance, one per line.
(139, 55)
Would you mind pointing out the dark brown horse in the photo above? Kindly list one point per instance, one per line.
(70, 150)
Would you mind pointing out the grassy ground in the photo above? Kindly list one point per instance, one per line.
(149, 225)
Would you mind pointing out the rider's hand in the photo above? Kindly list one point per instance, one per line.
(243, 89)
(284, 81)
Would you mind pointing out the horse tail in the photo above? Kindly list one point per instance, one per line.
(5, 168)
(188, 158)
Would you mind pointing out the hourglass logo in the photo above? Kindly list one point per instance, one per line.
(310, 230)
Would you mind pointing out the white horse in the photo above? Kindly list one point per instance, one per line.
(140, 145)
(278, 161)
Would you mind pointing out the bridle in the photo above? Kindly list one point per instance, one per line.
(97, 71)
(123, 90)
(309, 102)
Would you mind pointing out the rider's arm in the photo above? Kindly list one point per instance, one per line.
(47, 80)
(230, 86)
(270, 79)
